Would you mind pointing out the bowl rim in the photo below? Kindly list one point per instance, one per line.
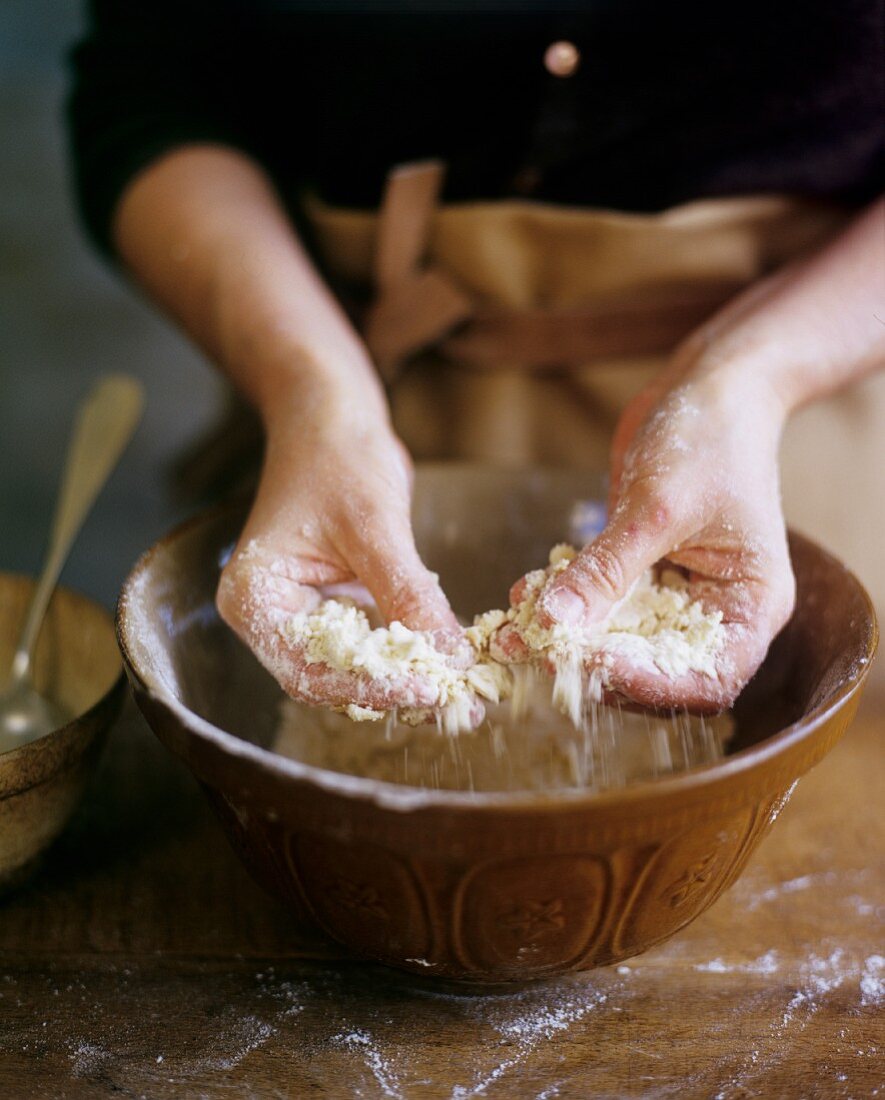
(67, 732)
(400, 797)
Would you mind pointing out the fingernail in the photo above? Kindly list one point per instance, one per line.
(565, 607)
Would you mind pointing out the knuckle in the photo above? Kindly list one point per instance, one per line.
(517, 591)
(781, 598)
(653, 505)
(230, 593)
(406, 606)
(782, 611)
(788, 595)
(602, 570)
(732, 681)
(363, 516)
(660, 514)
(651, 508)
(417, 600)
(747, 652)
(361, 522)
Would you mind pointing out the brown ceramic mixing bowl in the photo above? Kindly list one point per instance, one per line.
(77, 665)
(483, 887)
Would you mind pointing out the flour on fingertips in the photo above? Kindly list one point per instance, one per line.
(656, 627)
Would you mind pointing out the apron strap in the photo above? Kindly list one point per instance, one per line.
(411, 193)
(628, 326)
(415, 305)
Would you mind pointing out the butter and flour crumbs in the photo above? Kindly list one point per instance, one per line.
(338, 634)
(656, 626)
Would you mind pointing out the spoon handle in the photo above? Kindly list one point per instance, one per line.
(104, 424)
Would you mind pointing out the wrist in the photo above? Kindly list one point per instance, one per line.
(743, 380)
(289, 383)
(309, 399)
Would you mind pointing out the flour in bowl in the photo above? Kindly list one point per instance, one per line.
(535, 751)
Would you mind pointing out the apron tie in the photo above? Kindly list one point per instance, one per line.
(415, 305)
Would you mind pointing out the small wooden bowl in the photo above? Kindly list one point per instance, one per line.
(483, 887)
(78, 665)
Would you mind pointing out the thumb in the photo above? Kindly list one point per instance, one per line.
(403, 588)
(638, 535)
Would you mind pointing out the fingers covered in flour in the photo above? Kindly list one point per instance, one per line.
(754, 599)
(639, 533)
(331, 522)
(382, 553)
(258, 597)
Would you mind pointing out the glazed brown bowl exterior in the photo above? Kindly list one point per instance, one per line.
(77, 664)
(483, 887)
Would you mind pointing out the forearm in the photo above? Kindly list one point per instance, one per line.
(695, 476)
(810, 329)
(205, 233)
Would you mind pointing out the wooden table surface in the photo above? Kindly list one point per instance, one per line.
(144, 962)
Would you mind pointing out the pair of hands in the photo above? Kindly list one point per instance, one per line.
(694, 468)
(694, 478)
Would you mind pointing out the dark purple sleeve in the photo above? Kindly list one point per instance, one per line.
(146, 78)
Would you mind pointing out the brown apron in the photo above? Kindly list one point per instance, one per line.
(516, 331)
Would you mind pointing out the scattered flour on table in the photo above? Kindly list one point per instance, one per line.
(241, 1037)
(380, 1067)
(872, 982)
(765, 964)
(844, 880)
(87, 1058)
(817, 983)
(656, 627)
(526, 1023)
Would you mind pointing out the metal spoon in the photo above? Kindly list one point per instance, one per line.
(105, 422)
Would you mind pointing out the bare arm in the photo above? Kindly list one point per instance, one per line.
(203, 230)
(695, 457)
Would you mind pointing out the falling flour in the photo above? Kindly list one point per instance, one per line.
(534, 751)
(656, 627)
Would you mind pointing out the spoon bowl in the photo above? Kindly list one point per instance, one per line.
(25, 715)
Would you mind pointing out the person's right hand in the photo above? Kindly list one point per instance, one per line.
(333, 507)
(694, 482)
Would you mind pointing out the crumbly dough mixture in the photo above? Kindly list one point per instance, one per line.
(656, 626)
(339, 634)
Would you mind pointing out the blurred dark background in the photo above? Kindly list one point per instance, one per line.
(65, 319)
